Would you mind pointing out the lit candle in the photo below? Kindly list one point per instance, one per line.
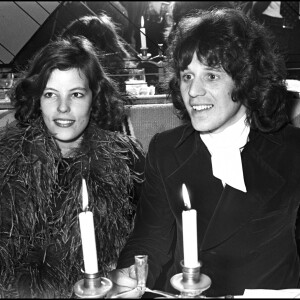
(143, 34)
(189, 229)
(85, 197)
(88, 240)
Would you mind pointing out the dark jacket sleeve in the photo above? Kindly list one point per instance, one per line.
(154, 225)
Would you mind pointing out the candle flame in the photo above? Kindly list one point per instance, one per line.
(84, 194)
(186, 198)
(142, 21)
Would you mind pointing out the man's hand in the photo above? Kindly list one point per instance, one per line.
(124, 281)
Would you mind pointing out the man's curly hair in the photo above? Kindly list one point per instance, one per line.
(64, 54)
(226, 38)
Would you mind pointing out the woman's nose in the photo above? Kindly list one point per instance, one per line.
(196, 89)
(63, 105)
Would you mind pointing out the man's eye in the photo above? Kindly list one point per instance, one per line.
(212, 76)
(187, 77)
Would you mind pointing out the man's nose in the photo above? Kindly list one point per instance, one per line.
(196, 88)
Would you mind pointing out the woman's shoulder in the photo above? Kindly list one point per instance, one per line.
(11, 144)
(121, 139)
(11, 136)
(27, 143)
(114, 142)
(116, 148)
(130, 144)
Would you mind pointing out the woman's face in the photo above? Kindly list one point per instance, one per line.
(206, 93)
(66, 106)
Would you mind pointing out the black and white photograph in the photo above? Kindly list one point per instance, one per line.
(149, 149)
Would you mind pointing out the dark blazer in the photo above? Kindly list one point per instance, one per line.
(249, 242)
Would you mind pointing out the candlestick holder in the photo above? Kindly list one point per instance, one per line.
(190, 283)
(92, 286)
(144, 54)
(160, 57)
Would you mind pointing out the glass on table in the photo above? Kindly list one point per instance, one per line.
(141, 270)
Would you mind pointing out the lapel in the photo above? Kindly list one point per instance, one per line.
(192, 161)
(234, 207)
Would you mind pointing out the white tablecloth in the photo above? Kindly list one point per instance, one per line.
(262, 293)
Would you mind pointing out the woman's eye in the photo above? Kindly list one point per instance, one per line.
(49, 95)
(78, 95)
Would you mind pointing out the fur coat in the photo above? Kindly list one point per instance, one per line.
(40, 199)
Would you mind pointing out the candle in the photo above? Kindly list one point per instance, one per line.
(87, 231)
(85, 197)
(189, 230)
(143, 34)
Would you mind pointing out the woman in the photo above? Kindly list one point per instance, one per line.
(67, 109)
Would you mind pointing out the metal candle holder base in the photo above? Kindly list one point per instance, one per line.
(92, 286)
(144, 55)
(190, 283)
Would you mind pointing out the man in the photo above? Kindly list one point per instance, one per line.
(237, 155)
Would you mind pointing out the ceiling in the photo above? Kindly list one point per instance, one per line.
(19, 21)
(27, 26)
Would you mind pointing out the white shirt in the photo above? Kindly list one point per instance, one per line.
(225, 148)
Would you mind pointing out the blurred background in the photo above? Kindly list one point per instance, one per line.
(26, 26)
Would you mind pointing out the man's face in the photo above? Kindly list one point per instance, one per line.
(206, 93)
